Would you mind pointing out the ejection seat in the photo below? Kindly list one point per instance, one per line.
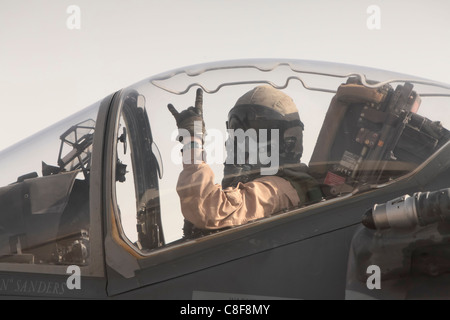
(372, 135)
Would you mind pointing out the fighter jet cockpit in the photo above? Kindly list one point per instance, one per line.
(361, 129)
(44, 194)
(348, 129)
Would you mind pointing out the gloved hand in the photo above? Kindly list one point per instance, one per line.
(190, 119)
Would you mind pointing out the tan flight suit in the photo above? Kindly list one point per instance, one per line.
(207, 206)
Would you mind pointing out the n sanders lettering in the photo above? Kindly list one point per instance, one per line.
(47, 287)
(28, 286)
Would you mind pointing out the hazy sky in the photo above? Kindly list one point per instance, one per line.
(49, 71)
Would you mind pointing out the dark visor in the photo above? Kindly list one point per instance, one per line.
(261, 117)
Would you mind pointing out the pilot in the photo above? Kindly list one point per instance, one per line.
(247, 192)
